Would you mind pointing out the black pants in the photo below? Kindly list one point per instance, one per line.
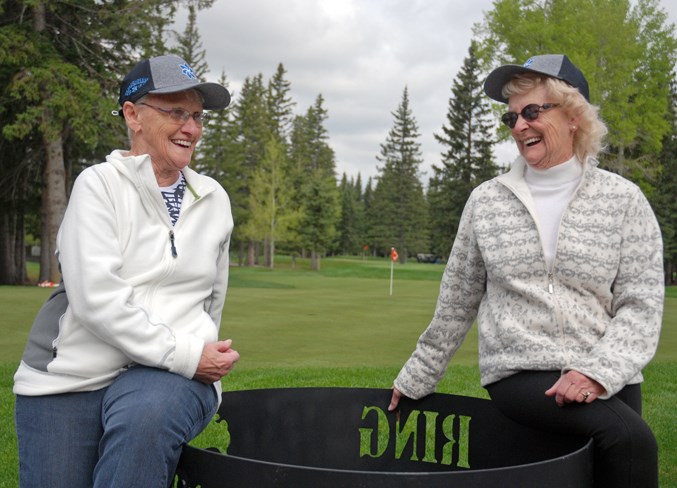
(625, 449)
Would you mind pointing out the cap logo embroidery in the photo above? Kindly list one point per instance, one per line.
(188, 71)
(135, 85)
(528, 63)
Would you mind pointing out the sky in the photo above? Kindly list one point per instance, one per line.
(359, 55)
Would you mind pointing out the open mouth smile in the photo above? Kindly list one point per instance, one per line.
(183, 143)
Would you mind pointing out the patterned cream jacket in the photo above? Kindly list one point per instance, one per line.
(598, 310)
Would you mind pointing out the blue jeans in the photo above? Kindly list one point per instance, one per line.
(129, 434)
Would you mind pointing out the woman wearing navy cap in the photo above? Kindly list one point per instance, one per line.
(116, 378)
(561, 263)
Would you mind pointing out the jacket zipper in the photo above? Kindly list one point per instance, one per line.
(172, 245)
(551, 277)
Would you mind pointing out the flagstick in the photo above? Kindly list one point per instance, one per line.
(391, 276)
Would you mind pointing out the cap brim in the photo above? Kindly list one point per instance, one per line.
(215, 96)
(497, 79)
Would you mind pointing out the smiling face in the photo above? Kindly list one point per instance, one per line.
(548, 140)
(168, 142)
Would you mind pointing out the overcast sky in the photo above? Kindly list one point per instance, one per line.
(359, 54)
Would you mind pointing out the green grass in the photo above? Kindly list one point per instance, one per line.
(338, 327)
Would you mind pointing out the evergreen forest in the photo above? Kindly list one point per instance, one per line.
(60, 66)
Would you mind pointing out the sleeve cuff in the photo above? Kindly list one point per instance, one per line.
(187, 355)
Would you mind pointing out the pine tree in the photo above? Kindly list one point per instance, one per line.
(467, 158)
(270, 202)
(189, 45)
(313, 173)
(368, 244)
(440, 213)
(350, 224)
(280, 104)
(310, 148)
(398, 210)
(360, 217)
(219, 140)
(253, 119)
(319, 216)
(253, 123)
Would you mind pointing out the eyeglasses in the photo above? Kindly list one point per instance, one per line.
(530, 112)
(179, 114)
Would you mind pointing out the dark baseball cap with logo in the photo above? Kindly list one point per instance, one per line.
(553, 65)
(169, 74)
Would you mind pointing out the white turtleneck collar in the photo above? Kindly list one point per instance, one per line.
(563, 173)
(552, 189)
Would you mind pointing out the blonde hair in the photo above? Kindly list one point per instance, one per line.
(590, 131)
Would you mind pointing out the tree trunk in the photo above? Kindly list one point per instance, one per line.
(54, 179)
(39, 19)
(250, 254)
(53, 207)
(240, 254)
(7, 270)
(621, 161)
(12, 248)
(315, 260)
(21, 276)
(266, 253)
(271, 241)
(272, 253)
(669, 273)
(44, 237)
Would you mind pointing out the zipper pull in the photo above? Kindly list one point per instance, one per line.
(551, 285)
(171, 242)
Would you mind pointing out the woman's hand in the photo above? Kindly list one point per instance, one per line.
(575, 387)
(395, 399)
(217, 360)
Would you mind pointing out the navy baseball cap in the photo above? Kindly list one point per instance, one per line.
(553, 65)
(169, 74)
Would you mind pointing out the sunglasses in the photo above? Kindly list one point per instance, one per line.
(530, 112)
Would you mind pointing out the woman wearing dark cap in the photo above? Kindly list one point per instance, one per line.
(561, 264)
(118, 377)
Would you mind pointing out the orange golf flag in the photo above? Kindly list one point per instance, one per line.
(393, 254)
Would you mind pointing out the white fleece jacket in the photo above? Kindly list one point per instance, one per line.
(140, 291)
(597, 310)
